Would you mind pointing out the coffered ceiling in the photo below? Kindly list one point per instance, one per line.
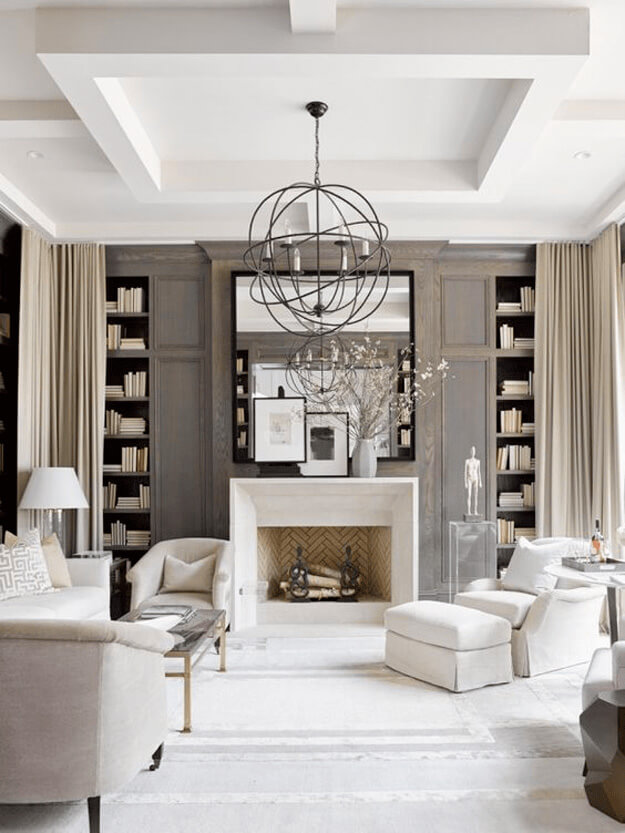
(477, 121)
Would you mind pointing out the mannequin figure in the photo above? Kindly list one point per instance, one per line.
(472, 481)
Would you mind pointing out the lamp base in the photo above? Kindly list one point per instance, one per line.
(52, 522)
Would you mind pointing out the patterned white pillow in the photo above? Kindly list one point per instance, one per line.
(23, 568)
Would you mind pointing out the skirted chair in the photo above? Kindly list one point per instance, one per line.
(554, 624)
(160, 577)
(83, 708)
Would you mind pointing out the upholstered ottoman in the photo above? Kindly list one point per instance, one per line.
(450, 646)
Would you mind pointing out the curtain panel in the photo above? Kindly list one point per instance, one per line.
(580, 386)
(62, 367)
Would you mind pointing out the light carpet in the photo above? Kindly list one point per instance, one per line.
(317, 735)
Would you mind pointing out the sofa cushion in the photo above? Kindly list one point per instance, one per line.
(55, 558)
(64, 603)
(526, 571)
(183, 577)
(203, 600)
(508, 604)
(438, 623)
(23, 568)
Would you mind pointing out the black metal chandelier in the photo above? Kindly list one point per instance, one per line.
(319, 301)
(317, 366)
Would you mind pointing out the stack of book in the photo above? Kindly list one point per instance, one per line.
(135, 384)
(113, 336)
(524, 532)
(114, 391)
(509, 306)
(138, 538)
(129, 299)
(132, 425)
(506, 337)
(515, 457)
(111, 306)
(134, 459)
(518, 387)
(128, 503)
(111, 468)
(511, 500)
(110, 495)
(528, 494)
(528, 296)
(511, 421)
(405, 436)
(523, 343)
(505, 531)
(132, 344)
(528, 428)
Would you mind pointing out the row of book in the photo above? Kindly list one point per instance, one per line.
(509, 533)
(115, 423)
(515, 457)
(111, 501)
(134, 459)
(523, 499)
(405, 436)
(120, 536)
(526, 304)
(519, 387)
(508, 341)
(129, 299)
(242, 439)
(511, 421)
(240, 365)
(241, 416)
(135, 384)
(116, 341)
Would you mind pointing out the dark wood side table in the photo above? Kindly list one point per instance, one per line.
(603, 736)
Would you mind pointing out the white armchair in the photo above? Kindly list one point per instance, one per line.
(554, 629)
(146, 576)
(83, 708)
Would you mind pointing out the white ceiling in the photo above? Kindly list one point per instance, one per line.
(458, 120)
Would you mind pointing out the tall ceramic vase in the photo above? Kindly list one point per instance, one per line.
(364, 459)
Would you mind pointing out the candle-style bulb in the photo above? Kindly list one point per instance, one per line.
(297, 261)
(288, 237)
(365, 247)
(344, 261)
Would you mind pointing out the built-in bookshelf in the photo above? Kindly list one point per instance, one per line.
(514, 404)
(405, 428)
(242, 409)
(127, 506)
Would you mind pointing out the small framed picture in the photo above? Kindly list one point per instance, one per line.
(327, 445)
(280, 429)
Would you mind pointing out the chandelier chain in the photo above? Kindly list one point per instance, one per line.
(317, 178)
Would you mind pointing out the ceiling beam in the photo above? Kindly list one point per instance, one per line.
(313, 17)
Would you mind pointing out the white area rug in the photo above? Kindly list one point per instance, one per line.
(316, 735)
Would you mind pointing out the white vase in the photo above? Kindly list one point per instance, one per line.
(364, 459)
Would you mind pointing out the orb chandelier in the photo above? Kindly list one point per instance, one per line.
(349, 270)
(317, 366)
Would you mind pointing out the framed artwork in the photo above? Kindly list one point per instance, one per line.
(327, 445)
(280, 429)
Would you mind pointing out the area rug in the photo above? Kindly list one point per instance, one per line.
(316, 735)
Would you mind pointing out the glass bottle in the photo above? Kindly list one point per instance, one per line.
(597, 543)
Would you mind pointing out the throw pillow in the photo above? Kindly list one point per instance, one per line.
(23, 569)
(526, 571)
(54, 556)
(181, 577)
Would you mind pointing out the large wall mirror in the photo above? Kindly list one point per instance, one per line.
(261, 347)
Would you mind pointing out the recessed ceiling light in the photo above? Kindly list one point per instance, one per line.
(582, 154)
(34, 154)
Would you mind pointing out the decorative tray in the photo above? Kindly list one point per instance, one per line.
(585, 565)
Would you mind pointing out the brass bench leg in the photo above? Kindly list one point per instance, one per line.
(187, 694)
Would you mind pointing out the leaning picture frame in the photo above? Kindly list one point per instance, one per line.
(280, 429)
(327, 444)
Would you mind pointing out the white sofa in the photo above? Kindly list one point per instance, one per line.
(146, 576)
(87, 598)
(83, 708)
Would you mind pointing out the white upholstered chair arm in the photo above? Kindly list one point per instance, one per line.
(90, 572)
(484, 584)
(562, 613)
(618, 664)
(222, 582)
(146, 577)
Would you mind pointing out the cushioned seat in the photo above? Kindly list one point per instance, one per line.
(202, 600)
(64, 603)
(509, 604)
(453, 647)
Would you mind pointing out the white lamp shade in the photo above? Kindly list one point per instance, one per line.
(53, 488)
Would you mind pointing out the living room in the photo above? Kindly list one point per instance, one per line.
(312, 457)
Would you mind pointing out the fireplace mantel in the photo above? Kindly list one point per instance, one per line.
(343, 501)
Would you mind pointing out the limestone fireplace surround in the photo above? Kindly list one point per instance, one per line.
(268, 515)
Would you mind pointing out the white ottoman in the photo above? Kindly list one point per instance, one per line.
(448, 645)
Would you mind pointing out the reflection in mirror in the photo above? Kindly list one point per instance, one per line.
(263, 350)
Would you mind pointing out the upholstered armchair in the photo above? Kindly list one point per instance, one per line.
(83, 708)
(148, 574)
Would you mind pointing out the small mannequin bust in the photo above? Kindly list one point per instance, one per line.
(472, 483)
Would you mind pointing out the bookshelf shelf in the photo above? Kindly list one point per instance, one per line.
(514, 354)
(511, 397)
(128, 354)
(515, 435)
(126, 474)
(126, 511)
(127, 315)
(513, 314)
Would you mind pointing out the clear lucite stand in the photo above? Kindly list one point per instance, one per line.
(472, 553)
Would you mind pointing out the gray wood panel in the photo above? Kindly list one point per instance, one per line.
(466, 407)
(464, 311)
(178, 312)
(180, 467)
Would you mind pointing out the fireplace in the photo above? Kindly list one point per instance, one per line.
(270, 517)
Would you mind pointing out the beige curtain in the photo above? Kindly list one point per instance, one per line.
(580, 386)
(62, 366)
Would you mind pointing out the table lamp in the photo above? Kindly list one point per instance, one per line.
(52, 489)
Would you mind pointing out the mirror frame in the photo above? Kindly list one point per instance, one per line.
(238, 455)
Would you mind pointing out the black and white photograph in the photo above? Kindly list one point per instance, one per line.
(327, 445)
